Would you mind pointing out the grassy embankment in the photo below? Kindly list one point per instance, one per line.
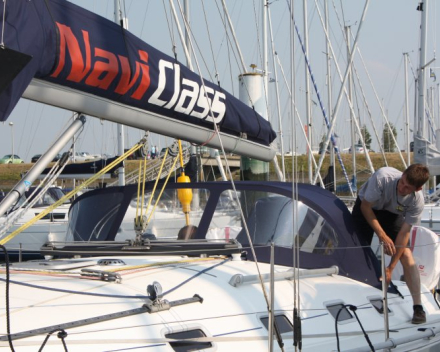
(11, 174)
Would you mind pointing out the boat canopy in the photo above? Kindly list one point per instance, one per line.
(325, 231)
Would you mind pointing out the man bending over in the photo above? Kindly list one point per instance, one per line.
(388, 204)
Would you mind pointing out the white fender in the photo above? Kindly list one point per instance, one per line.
(223, 233)
(425, 246)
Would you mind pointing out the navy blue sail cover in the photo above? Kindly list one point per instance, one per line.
(73, 47)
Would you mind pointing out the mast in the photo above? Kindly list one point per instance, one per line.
(423, 6)
(405, 56)
(350, 97)
(329, 93)
(307, 83)
(121, 170)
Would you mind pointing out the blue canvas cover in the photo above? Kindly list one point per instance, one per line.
(353, 260)
(76, 48)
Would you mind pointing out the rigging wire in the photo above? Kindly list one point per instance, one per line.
(343, 88)
(228, 47)
(295, 112)
(228, 170)
(384, 115)
(367, 106)
(329, 124)
(280, 126)
(210, 44)
(145, 18)
(171, 31)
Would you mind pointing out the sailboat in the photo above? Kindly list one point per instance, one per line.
(52, 226)
(268, 266)
(426, 149)
(221, 289)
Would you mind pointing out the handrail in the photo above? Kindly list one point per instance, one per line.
(239, 279)
(153, 168)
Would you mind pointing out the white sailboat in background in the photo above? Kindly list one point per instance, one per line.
(426, 136)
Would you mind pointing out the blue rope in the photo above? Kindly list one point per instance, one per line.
(327, 122)
(321, 104)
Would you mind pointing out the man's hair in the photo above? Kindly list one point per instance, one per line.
(417, 175)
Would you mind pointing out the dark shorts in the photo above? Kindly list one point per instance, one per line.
(389, 222)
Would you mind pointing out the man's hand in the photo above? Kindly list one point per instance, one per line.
(367, 211)
(388, 245)
(388, 273)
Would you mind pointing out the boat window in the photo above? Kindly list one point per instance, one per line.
(340, 311)
(94, 221)
(283, 323)
(269, 218)
(165, 214)
(182, 346)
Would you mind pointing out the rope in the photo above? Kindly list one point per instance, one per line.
(62, 334)
(353, 309)
(163, 188)
(157, 181)
(138, 190)
(49, 179)
(70, 194)
(144, 176)
(324, 113)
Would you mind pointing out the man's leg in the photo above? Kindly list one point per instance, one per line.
(412, 275)
(412, 278)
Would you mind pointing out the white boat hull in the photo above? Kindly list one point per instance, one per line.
(229, 316)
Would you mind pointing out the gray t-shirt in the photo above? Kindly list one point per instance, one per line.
(381, 191)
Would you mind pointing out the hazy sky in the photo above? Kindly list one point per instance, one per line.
(391, 28)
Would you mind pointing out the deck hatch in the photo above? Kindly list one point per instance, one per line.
(344, 314)
(186, 346)
(283, 323)
(377, 304)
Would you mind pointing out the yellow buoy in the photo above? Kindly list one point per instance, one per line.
(185, 195)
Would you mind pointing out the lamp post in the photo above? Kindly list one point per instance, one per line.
(12, 135)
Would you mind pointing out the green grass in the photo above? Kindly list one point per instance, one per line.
(10, 174)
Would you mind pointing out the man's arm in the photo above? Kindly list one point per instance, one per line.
(401, 243)
(367, 211)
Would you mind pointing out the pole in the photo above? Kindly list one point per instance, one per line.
(329, 93)
(12, 139)
(384, 293)
(408, 154)
(121, 170)
(421, 74)
(308, 107)
(36, 170)
(350, 97)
